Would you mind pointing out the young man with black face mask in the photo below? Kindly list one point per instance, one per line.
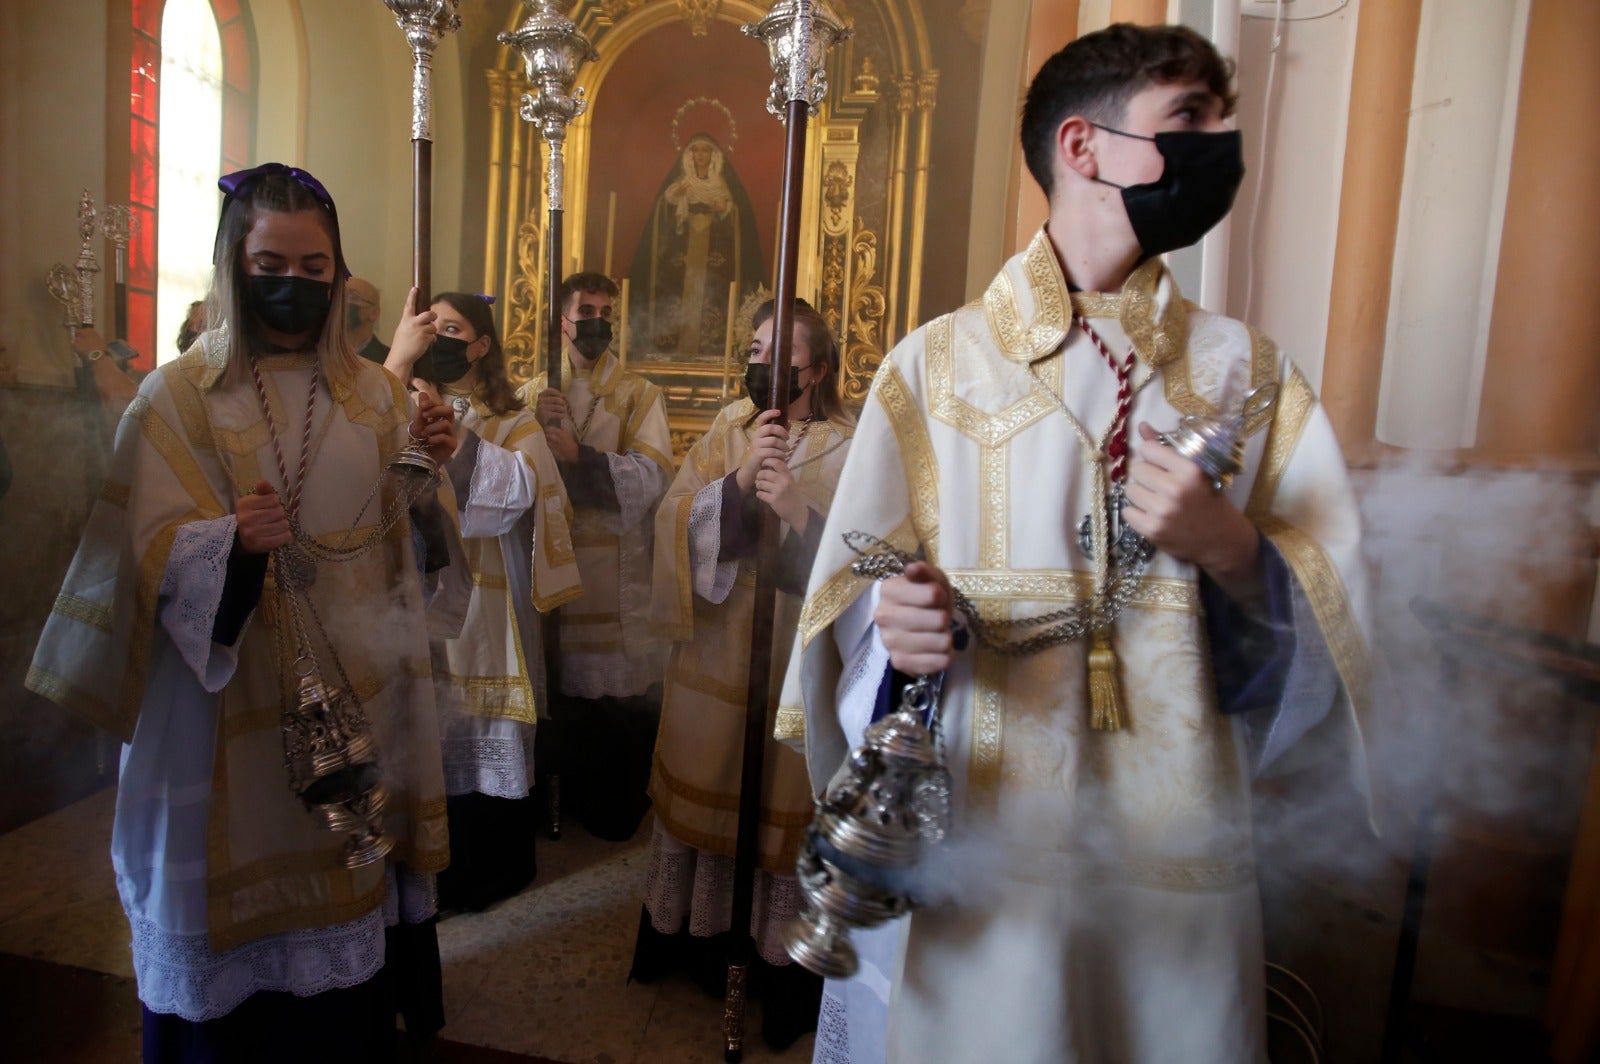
(1138, 638)
(608, 431)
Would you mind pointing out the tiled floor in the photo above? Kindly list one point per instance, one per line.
(543, 974)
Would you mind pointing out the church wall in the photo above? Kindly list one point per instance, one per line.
(53, 88)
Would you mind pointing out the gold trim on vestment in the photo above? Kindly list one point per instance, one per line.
(988, 719)
(1289, 417)
(1070, 586)
(824, 605)
(573, 617)
(1324, 588)
(727, 803)
(491, 581)
(917, 457)
(944, 404)
(994, 511)
(47, 684)
(790, 723)
(76, 608)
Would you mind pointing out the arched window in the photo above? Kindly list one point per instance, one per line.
(211, 43)
(190, 149)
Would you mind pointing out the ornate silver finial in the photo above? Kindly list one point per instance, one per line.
(87, 265)
(798, 34)
(552, 48)
(426, 23)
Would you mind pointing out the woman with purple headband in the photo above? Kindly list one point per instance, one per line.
(258, 933)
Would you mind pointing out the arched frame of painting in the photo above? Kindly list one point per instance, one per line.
(861, 262)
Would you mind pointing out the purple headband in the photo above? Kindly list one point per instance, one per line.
(487, 299)
(236, 184)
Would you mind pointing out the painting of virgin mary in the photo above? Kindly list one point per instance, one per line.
(700, 237)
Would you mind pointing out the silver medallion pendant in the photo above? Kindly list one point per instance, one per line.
(462, 404)
(1125, 542)
(298, 570)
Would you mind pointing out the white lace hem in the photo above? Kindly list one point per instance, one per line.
(179, 974)
(191, 592)
(492, 765)
(683, 881)
(713, 578)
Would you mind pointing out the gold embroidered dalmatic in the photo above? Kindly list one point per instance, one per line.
(695, 782)
(1108, 907)
(608, 646)
(485, 672)
(193, 441)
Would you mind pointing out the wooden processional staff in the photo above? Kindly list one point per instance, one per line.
(798, 34)
(552, 49)
(425, 22)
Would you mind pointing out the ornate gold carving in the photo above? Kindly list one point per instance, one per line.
(836, 182)
(863, 347)
(682, 440)
(905, 93)
(699, 13)
(927, 90)
(866, 82)
(525, 312)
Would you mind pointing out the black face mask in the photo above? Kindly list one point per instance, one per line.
(352, 318)
(758, 383)
(290, 305)
(445, 361)
(592, 336)
(1194, 192)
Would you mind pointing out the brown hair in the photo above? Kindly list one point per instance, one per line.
(1096, 75)
(225, 303)
(587, 281)
(494, 385)
(825, 397)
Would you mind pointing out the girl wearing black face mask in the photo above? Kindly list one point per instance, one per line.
(706, 532)
(512, 507)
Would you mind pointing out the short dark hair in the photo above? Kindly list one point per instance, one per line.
(1096, 75)
(587, 281)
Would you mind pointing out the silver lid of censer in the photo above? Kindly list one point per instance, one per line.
(1215, 442)
(333, 766)
(868, 835)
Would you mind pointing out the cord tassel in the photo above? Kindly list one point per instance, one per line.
(1105, 692)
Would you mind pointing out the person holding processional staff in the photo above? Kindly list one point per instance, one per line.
(747, 465)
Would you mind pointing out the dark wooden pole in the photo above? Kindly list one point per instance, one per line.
(758, 694)
(422, 221)
(119, 295)
(550, 623)
(554, 357)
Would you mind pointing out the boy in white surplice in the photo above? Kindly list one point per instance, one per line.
(1101, 778)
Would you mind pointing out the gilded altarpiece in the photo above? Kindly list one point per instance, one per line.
(661, 120)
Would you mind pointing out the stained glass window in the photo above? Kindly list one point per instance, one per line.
(190, 150)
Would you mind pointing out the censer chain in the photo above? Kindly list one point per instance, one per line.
(878, 560)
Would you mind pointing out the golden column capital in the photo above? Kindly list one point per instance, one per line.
(927, 90)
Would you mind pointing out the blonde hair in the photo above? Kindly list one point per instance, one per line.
(225, 303)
